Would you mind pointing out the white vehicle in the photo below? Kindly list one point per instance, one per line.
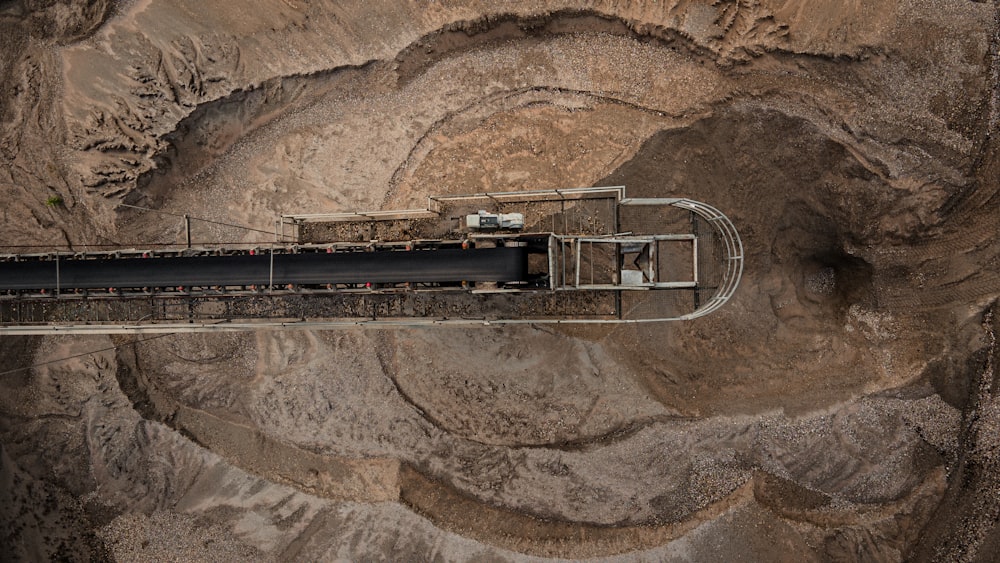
(486, 221)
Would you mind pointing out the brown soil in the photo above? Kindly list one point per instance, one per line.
(840, 407)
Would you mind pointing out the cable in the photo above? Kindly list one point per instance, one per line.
(57, 360)
(197, 218)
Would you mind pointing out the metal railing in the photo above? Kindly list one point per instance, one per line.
(732, 244)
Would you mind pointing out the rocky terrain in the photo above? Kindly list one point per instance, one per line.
(843, 406)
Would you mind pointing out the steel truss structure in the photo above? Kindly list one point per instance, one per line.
(620, 256)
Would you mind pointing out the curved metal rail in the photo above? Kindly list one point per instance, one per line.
(733, 270)
(733, 245)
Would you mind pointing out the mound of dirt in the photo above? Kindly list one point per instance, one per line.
(840, 406)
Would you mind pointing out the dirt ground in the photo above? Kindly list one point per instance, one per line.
(843, 406)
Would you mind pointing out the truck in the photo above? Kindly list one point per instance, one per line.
(486, 221)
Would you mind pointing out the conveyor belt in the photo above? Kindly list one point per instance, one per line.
(418, 266)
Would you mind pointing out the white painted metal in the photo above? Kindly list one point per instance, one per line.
(694, 262)
(579, 251)
(552, 261)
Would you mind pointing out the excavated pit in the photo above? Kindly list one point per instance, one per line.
(823, 413)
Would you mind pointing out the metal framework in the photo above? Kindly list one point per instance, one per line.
(621, 262)
(732, 245)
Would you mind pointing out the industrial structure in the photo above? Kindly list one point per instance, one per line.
(586, 255)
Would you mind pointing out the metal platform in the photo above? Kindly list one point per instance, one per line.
(586, 255)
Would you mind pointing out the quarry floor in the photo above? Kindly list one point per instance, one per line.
(842, 406)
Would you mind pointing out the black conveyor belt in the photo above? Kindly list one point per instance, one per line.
(419, 266)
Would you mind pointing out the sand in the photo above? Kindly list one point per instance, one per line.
(840, 407)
